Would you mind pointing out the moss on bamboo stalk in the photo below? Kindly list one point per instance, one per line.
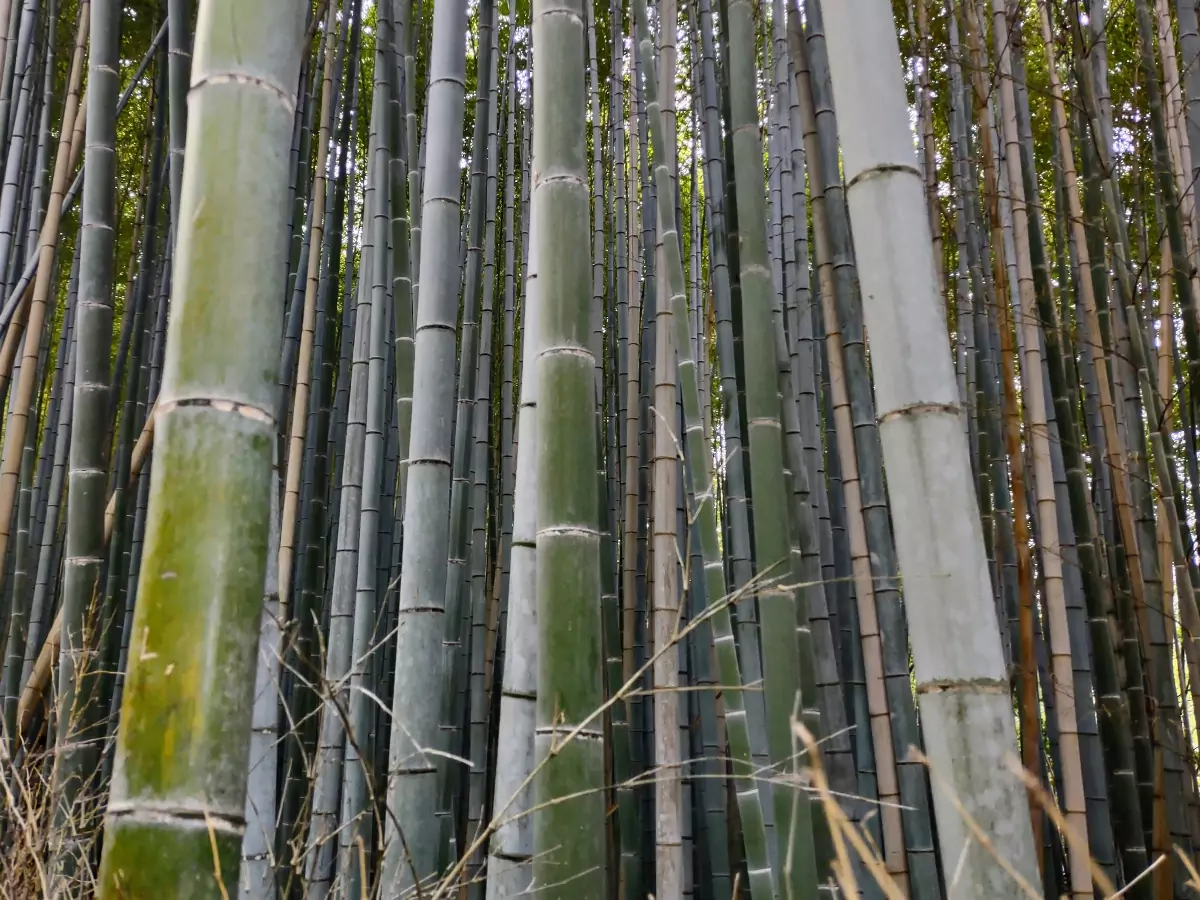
(175, 813)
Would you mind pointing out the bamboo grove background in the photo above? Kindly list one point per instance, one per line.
(721, 448)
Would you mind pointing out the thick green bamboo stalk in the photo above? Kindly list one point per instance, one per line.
(568, 829)
(175, 815)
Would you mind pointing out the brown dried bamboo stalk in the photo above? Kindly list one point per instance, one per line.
(1038, 439)
(316, 232)
(70, 135)
(1166, 555)
(16, 329)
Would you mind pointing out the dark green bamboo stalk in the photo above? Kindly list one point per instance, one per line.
(777, 605)
(179, 56)
(568, 830)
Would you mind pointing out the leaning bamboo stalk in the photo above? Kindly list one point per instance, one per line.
(17, 298)
(14, 435)
(959, 663)
(36, 682)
